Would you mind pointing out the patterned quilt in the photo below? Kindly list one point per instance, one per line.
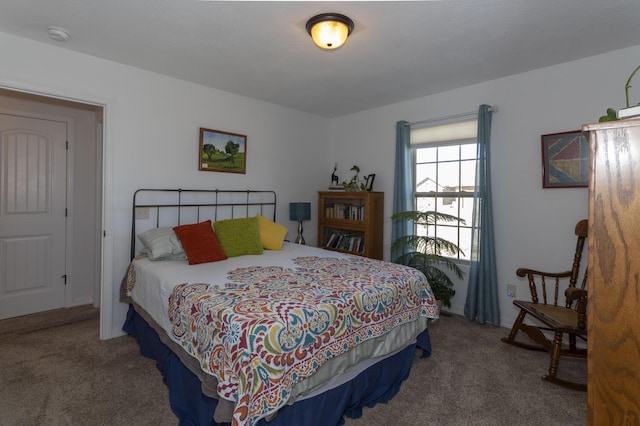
(271, 327)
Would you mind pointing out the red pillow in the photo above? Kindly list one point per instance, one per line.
(200, 243)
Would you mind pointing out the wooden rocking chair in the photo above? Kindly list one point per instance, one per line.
(569, 318)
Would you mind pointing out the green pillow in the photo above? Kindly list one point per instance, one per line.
(239, 236)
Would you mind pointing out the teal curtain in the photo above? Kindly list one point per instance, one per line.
(403, 183)
(482, 291)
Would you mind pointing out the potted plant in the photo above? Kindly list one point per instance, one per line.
(629, 111)
(355, 184)
(428, 254)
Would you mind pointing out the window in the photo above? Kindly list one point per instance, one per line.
(445, 170)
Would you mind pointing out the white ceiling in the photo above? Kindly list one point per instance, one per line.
(398, 50)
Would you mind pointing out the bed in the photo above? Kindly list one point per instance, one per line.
(280, 334)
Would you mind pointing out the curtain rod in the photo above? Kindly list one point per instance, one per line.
(449, 117)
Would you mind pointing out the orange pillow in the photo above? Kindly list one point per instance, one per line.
(200, 242)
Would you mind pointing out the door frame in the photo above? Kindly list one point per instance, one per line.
(68, 263)
(106, 254)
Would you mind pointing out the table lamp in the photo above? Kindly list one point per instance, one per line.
(299, 212)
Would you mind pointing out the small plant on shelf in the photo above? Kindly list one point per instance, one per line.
(428, 254)
(612, 114)
(356, 183)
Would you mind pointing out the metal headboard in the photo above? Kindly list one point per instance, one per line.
(154, 208)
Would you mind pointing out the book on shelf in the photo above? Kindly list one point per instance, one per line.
(357, 245)
(331, 240)
(336, 188)
(344, 211)
(354, 244)
(345, 242)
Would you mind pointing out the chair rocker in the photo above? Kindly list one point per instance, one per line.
(570, 318)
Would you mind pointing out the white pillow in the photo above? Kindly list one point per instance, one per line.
(162, 244)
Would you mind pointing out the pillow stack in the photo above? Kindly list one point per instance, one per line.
(199, 243)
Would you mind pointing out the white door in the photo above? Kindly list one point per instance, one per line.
(33, 169)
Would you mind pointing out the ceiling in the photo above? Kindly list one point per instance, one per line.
(397, 51)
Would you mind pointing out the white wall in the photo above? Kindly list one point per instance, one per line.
(151, 140)
(534, 226)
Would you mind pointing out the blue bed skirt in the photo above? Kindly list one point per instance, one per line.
(378, 383)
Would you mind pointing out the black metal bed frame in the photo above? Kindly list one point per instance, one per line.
(198, 205)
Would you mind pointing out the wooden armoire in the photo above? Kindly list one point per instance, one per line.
(613, 362)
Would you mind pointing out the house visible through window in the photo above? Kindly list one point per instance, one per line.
(445, 169)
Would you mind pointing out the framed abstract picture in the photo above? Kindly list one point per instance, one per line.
(222, 151)
(565, 160)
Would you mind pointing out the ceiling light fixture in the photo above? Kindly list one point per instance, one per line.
(58, 34)
(329, 30)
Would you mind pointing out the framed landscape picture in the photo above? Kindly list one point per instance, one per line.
(565, 160)
(222, 151)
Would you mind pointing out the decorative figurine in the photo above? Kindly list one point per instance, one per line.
(334, 177)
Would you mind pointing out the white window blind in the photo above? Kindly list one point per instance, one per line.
(463, 130)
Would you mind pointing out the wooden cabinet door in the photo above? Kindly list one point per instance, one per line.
(614, 274)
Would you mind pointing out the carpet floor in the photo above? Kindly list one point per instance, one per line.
(54, 370)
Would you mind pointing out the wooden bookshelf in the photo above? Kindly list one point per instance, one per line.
(351, 222)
